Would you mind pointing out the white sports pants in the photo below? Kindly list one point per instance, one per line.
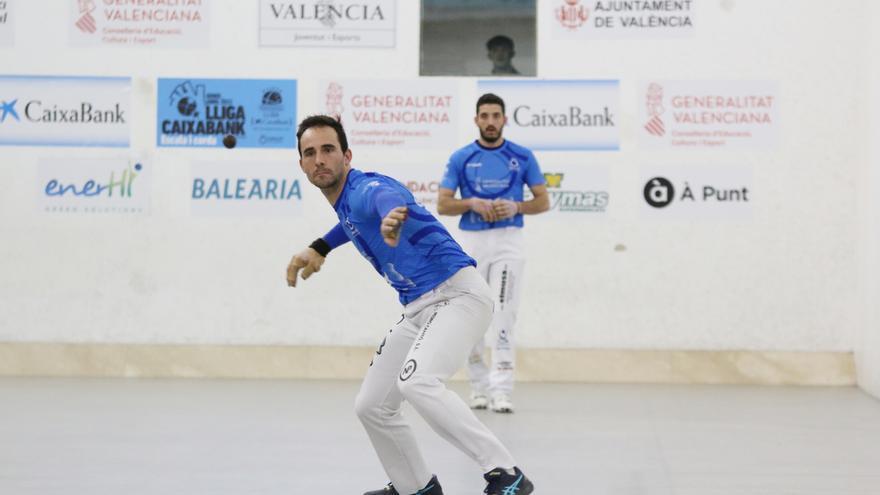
(425, 348)
(500, 255)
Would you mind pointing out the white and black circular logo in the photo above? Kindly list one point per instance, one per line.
(659, 192)
(408, 369)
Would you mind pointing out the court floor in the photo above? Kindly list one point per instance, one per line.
(200, 437)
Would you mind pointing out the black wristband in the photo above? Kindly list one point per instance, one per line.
(321, 246)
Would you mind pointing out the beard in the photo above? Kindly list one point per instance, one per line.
(490, 138)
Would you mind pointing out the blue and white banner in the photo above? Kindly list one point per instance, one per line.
(94, 185)
(259, 189)
(64, 111)
(244, 113)
(560, 115)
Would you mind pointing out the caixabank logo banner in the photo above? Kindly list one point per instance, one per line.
(64, 111)
(245, 113)
(559, 115)
(94, 185)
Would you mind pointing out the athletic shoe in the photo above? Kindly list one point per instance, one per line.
(388, 490)
(502, 483)
(501, 403)
(479, 400)
(432, 488)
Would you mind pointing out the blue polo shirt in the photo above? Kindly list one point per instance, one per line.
(491, 173)
(426, 254)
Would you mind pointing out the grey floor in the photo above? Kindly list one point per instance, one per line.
(195, 437)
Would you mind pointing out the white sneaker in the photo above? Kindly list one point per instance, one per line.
(501, 403)
(479, 400)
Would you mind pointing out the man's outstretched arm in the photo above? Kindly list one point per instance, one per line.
(310, 259)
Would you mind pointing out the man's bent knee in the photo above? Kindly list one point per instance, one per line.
(366, 408)
(369, 409)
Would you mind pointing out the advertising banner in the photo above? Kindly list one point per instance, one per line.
(612, 19)
(415, 114)
(262, 189)
(94, 185)
(319, 23)
(151, 24)
(560, 115)
(708, 115)
(244, 113)
(423, 181)
(64, 111)
(697, 192)
(577, 191)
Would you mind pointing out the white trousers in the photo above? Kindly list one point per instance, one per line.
(500, 255)
(425, 348)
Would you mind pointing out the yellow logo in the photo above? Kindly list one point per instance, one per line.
(553, 180)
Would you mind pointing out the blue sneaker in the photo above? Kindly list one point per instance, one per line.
(501, 483)
(432, 488)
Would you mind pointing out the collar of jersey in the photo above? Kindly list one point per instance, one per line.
(344, 187)
(477, 142)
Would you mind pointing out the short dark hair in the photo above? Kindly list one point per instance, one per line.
(499, 40)
(321, 121)
(490, 99)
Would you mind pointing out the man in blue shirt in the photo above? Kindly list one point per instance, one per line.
(446, 311)
(491, 173)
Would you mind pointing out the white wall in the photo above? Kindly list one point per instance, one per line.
(789, 279)
(868, 346)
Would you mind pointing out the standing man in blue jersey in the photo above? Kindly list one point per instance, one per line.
(491, 173)
(446, 310)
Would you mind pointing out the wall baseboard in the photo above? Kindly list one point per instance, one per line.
(22, 359)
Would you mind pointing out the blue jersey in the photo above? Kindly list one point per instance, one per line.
(426, 255)
(491, 173)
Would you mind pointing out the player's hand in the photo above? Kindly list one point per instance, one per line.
(484, 209)
(391, 225)
(308, 260)
(504, 208)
